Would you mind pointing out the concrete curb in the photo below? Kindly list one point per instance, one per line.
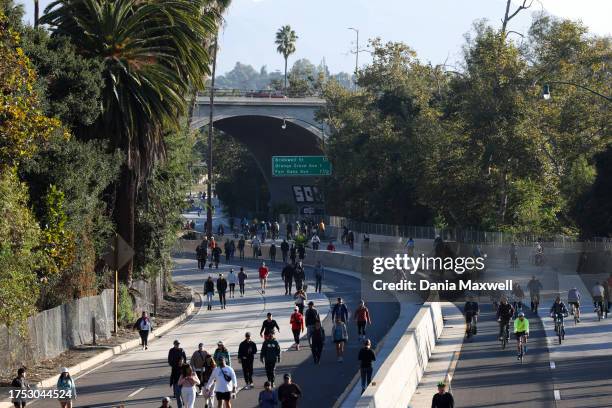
(108, 354)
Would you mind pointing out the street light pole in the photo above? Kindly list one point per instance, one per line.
(356, 30)
(546, 91)
(210, 144)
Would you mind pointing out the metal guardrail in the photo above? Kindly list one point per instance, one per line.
(455, 234)
(257, 93)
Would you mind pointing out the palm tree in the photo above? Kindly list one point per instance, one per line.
(153, 53)
(285, 41)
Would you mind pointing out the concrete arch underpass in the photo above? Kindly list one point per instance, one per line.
(264, 137)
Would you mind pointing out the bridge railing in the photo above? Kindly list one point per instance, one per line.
(258, 93)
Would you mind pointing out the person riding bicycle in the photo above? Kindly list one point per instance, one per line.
(558, 309)
(505, 311)
(521, 328)
(471, 310)
(598, 292)
(519, 295)
(534, 286)
(573, 299)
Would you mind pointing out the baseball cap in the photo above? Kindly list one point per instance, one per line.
(64, 370)
(286, 376)
(176, 342)
(219, 343)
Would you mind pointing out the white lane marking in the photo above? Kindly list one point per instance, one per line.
(557, 395)
(552, 365)
(136, 392)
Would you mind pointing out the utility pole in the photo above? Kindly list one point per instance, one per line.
(210, 144)
(356, 30)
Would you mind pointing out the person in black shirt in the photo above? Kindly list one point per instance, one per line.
(366, 356)
(287, 275)
(289, 393)
(442, 399)
(221, 289)
(299, 276)
(246, 354)
(317, 340)
(268, 326)
(20, 384)
(176, 359)
(284, 246)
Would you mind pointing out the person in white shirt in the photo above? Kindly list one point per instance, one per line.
(144, 327)
(598, 292)
(224, 383)
(315, 241)
(232, 279)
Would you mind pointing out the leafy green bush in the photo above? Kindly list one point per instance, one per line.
(125, 311)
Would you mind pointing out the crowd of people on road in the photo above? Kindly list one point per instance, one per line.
(211, 376)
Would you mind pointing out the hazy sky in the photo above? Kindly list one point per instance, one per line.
(434, 28)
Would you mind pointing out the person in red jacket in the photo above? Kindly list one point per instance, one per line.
(331, 247)
(362, 316)
(263, 276)
(297, 326)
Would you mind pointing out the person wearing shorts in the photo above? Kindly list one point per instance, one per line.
(224, 383)
(340, 336)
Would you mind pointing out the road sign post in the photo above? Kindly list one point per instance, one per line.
(295, 166)
(117, 254)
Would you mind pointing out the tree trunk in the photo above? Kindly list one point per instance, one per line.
(125, 216)
(36, 12)
(286, 75)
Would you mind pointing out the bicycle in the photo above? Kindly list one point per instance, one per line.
(575, 311)
(599, 309)
(471, 327)
(559, 327)
(522, 342)
(505, 333)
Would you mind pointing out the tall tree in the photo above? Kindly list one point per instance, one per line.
(285, 44)
(153, 53)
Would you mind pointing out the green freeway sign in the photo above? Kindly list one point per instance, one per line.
(288, 166)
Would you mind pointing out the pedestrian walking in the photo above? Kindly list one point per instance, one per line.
(289, 393)
(268, 326)
(331, 247)
(232, 249)
(300, 299)
(227, 248)
(165, 403)
(221, 289)
(442, 399)
(297, 326)
(216, 256)
(144, 327)
(284, 246)
(21, 386)
(299, 275)
(351, 240)
(293, 253)
(176, 359)
(365, 357)
(246, 354)
(317, 340)
(263, 276)
(268, 398)
(256, 245)
(223, 383)
(242, 277)
(232, 279)
(319, 273)
(201, 254)
(340, 337)
(272, 252)
(287, 275)
(301, 250)
(289, 230)
(311, 317)
(209, 289)
(340, 311)
(222, 354)
(241, 243)
(66, 388)
(199, 362)
(188, 381)
(362, 316)
(270, 355)
(315, 241)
